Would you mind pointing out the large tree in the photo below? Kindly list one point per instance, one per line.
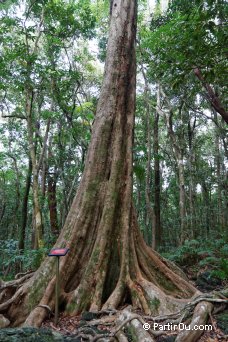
(108, 263)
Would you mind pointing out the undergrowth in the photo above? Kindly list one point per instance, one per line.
(196, 257)
(14, 261)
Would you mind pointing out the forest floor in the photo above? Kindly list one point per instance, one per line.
(82, 326)
(89, 326)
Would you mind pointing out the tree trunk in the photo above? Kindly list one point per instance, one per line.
(149, 208)
(180, 165)
(14, 227)
(192, 185)
(108, 263)
(218, 174)
(150, 214)
(178, 154)
(52, 203)
(64, 205)
(37, 222)
(24, 210)
(37, 238)
(29, 99)
(206, 205)
(157, 186)
(51, 192)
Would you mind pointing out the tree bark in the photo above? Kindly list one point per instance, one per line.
(14, 228)
(52, 203)
(218, 174)
(152, 211)
(157, 186)
(24, 209)
(108, 263)
(192, 185)
(51, 191)
(207, 205)
(3, 198)
(149, 208)
(37, 222)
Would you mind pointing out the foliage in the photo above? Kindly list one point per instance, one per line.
(43, 50)
(15, 261)
(188, 36)
(210, 255)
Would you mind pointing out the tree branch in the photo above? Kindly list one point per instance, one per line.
(14, 116)
(212, 97)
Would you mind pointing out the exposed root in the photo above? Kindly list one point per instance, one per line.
(186, 311)
(46, 307)
(15, 297)
(16, 283)
(199, 319)
(4, 322)
(134, 324)
(121, 337)
(194, 313)
(128, 317)
(19, 275)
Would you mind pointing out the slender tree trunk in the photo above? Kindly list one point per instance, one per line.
(151, 220)
(178, 154)
(108, 262)
(64, 207)
(29, 99)
(24, 210)
(44, 178)
(191, 178)
(37, 226)
(180, 165)
(206, 200)
(222, 133)
(14, 228)
(225, 189)
(191, 205)
(149, 207)
(3, 197)
(52, 204)
(51, 192)
(218, 173)
(2, 212)
(191, 190)
(157, 186)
